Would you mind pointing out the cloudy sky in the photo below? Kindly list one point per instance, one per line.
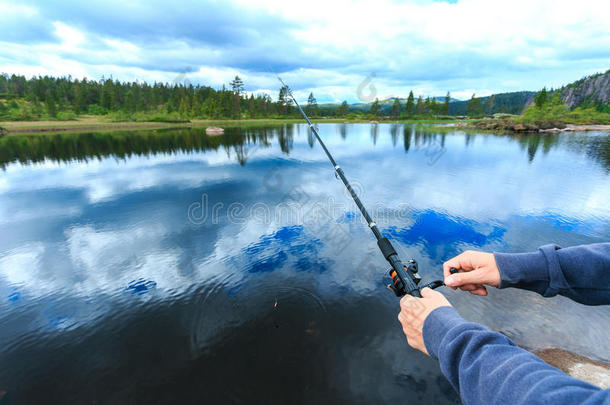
(340, 50)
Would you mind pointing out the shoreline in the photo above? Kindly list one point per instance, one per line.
(522, 127)
(85, 124)
(97, 124)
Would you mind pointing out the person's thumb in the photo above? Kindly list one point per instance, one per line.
(470, 277)
(428, 292)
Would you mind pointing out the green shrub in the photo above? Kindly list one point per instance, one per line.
(159, 116)
(555, 113)
(118, 116)
(95, 109)
(66, 116)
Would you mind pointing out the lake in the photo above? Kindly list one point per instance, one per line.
(173, 267)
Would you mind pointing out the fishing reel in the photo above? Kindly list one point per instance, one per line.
(398, 287)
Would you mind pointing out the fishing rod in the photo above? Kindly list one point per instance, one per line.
(405, 278)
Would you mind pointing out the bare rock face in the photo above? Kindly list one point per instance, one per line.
(594, 88)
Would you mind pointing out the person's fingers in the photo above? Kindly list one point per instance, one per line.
(410, 332)
(468, 287)
(409, 322)
(461, 261)
(482, 291)
(405, 301)
(429, 293)
(471, 277)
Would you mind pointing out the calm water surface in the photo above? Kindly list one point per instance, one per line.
(169, 266)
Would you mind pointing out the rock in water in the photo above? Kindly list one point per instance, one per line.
(213, 131)
(580, 367)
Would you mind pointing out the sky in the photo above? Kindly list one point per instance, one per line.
(339, 50)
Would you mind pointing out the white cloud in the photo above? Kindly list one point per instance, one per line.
(472, 46)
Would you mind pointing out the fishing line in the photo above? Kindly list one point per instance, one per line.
(405, 277)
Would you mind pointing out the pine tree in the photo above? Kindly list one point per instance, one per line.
(50, 103)
(235, 105)
(80, 98)
(343, 109)
(130, 102)
(375, 108)
(427, 106)
(474, 106)
(410, 107)
(489, 106)
(445, 110)
(312, 104)
(420, 108)
(396, 107)
(284, 100)
(237, 85)
(541, 98)
(433, 107)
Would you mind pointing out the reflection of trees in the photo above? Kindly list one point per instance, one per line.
(595, 147)
(394, 134)
(468, 138)
(343, 131)
(286, 138)
(242, 153)
(124, 144)
(310, 137)
(406, 134)
(241, 142)
(531, 143)
(374, 133)
(532, 146)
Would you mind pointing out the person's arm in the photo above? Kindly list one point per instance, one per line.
(486, 367)
(581, 273)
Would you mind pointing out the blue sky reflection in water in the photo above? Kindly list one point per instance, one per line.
(151, 272)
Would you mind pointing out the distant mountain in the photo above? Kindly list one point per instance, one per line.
(593, 89)
(385, 105)
(509, 103)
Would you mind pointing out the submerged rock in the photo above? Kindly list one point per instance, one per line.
(580, 367)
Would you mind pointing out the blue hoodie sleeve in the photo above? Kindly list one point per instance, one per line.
(486, 367)
(581, 273)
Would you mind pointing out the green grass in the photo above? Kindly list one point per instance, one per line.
(560, 114)
(555, 113)
(155, 116)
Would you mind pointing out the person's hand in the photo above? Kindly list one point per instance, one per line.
(476, 269)
(413, 313)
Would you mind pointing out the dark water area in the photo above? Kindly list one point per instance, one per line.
(174, 267)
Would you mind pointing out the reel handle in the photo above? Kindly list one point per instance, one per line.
(434, 284)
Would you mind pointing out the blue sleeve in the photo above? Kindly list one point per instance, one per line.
(581, 273)
(486, 367)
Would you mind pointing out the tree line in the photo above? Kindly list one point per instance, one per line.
(46, 97)
(64, 97)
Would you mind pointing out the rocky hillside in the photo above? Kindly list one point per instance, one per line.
(591, 89)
